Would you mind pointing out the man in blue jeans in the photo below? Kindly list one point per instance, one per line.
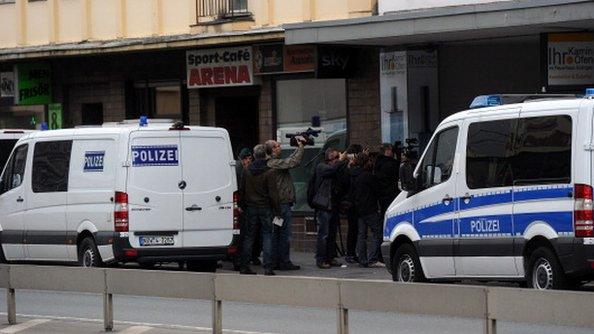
(259, 196)
(286, 192)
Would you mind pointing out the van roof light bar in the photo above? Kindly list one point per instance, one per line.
(484, 101)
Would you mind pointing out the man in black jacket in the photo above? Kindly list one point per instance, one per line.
(259, 196)
(386, 169)
(327, 205)
(366, 193)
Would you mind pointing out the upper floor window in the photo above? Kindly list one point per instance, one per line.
(221, 9)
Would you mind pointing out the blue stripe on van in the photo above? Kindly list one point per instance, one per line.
(530, 195)
(562, 222)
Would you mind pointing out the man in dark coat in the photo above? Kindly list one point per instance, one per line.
(258, 194)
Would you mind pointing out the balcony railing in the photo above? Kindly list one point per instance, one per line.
(221, 9)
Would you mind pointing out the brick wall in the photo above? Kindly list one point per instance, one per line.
(266, 119)
(194, 106)
(363, 96)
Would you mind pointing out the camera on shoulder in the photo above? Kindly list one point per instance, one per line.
(307, 135)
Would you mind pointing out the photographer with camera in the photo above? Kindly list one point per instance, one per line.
(286, 192)
(326, 202)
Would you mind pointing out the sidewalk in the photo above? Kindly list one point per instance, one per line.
(308, 268)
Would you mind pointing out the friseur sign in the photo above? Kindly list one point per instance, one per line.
(223, 67)
(34, 84)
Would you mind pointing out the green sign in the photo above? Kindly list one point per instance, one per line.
(34, 84)
(54, 112)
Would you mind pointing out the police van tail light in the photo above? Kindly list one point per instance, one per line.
(236, 212)
(583, 218)
(120, 213)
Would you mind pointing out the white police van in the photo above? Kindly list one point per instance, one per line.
(119, 193)
(502, 192)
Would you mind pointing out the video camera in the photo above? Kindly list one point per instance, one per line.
(307, 135)
(410, 150)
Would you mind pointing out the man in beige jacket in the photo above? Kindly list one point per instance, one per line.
(286, 193)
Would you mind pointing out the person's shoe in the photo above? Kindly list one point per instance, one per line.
(334, 263)
(269, 272)
(351, 259)
(377, 265)
(323, 265)
(289, 266)
(247, 271)
(256, 261)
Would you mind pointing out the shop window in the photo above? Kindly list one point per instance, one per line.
(156, 100)
(307, 103)
(22, 117)
(167, 102)
(51, 164)
(92, 113)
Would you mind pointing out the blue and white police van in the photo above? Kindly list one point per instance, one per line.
(502, 192)
(155, 192)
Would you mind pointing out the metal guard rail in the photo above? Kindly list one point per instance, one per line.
(491, 304)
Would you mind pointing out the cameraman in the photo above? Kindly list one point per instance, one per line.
(286, 192)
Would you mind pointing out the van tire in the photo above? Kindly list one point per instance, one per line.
(406, 266)
(202, 266)
(88, 253)
(544, 271)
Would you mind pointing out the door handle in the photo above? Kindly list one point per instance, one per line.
(447, 200)
(466, 198)
(194, 208)
(20, 199)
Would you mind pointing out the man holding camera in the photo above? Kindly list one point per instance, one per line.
(286, 193)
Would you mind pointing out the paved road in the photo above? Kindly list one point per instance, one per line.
(50, 312)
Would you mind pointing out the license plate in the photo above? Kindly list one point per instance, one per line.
(156, 240)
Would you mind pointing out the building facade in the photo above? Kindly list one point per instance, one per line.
(363, 71)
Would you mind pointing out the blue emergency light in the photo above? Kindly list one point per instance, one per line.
(44, 126)
(589, 92)
(143, 120)
(483, 101)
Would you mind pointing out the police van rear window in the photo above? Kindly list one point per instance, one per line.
(526, 151)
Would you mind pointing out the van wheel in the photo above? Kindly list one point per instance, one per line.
(88, 254)
(544, 271)
(202, 266)
(406, 266)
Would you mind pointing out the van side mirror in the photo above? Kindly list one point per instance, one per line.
(437, 175)
(16, 180)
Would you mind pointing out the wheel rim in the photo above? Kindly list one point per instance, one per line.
(406, 269)
(87, 258)
(542, 276)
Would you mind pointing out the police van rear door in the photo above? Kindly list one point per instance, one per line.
(209, 180)
(154, 190)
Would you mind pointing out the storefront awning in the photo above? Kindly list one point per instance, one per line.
(142, 44)
(456, 23)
